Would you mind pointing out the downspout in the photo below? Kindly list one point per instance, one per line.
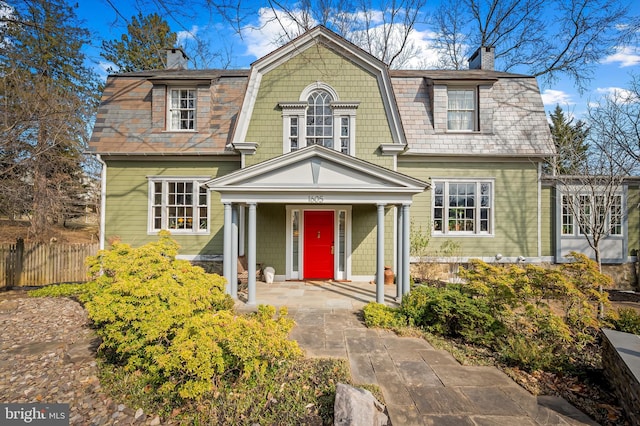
(540, 210)
(103, 199)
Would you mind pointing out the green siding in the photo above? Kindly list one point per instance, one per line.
(364, 239)
(271, 236)
(515, 205)
(128, 195)
(286, 83)
(548, 219)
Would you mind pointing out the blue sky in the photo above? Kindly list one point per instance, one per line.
(613, 73)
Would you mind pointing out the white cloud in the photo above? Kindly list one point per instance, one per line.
(182, 36)
(556, 97)
(618, 94)
(626, 56)
(269, 34)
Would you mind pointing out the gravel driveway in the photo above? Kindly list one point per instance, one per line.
(47, 356)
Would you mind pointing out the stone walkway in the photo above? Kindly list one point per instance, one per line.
(47, 355)
(421, 385)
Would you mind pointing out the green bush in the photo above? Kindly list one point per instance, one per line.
(164, 316)
(449, 312)
(508, 309)
(83, 291)
(382, 316)
(626, 320)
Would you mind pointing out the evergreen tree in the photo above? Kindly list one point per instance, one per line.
(143, 47)
(570, 142)
(48, 98)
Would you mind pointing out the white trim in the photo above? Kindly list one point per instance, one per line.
(103, 200)
(318, 85)
(539, 239)
(169, 97)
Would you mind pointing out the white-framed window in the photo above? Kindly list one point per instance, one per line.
(462, 207)
(181, 114)
(319, 125)
(462, 115)
(600, 213)
(319, 118)
(567, 216)
(180, 205)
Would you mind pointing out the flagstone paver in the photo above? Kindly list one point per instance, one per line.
(420, 385)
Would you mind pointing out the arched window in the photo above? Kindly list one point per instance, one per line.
(319, 119)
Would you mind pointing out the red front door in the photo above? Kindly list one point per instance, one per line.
(318, 244)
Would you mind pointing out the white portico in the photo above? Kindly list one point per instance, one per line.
(318, 187)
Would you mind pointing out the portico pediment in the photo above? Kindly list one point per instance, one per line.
(316, 170)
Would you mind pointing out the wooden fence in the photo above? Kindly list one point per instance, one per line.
(34, 264)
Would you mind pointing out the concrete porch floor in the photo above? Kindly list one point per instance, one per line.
(318, 294)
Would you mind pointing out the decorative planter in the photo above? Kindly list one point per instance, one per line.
(388, 275)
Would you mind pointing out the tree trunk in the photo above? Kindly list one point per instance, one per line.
(600, 289)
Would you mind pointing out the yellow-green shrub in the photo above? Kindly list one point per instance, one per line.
(383, 316)
(164, 316)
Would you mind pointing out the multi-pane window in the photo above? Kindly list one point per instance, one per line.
(182, 109)
(567, 216)
(593, 214)
(585, 214)
(615, 215)
(319, 119)
(462, 207)
(179, 205)
(345, 139)
(293, 133)
(461, 109)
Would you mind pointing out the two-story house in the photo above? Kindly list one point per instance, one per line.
(319, 160)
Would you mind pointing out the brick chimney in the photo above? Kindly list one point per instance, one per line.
(176, 59)
(483, 59)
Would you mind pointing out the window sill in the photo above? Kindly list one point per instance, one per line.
(180, 232)
(179, 131)
(461, 234)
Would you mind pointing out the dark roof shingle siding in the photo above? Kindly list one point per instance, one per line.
(518, 125)
(125, 123)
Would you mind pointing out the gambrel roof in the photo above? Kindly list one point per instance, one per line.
(132, 115)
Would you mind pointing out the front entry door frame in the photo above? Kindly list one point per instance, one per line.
(295, 240)
(319, 244)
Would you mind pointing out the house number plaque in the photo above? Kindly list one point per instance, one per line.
(316, 199)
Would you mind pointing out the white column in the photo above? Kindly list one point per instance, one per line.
(226, 249)
(406, 223)
(399, 252)
(234, 251)
(251, 254)
(241, 230)
(380, 256)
